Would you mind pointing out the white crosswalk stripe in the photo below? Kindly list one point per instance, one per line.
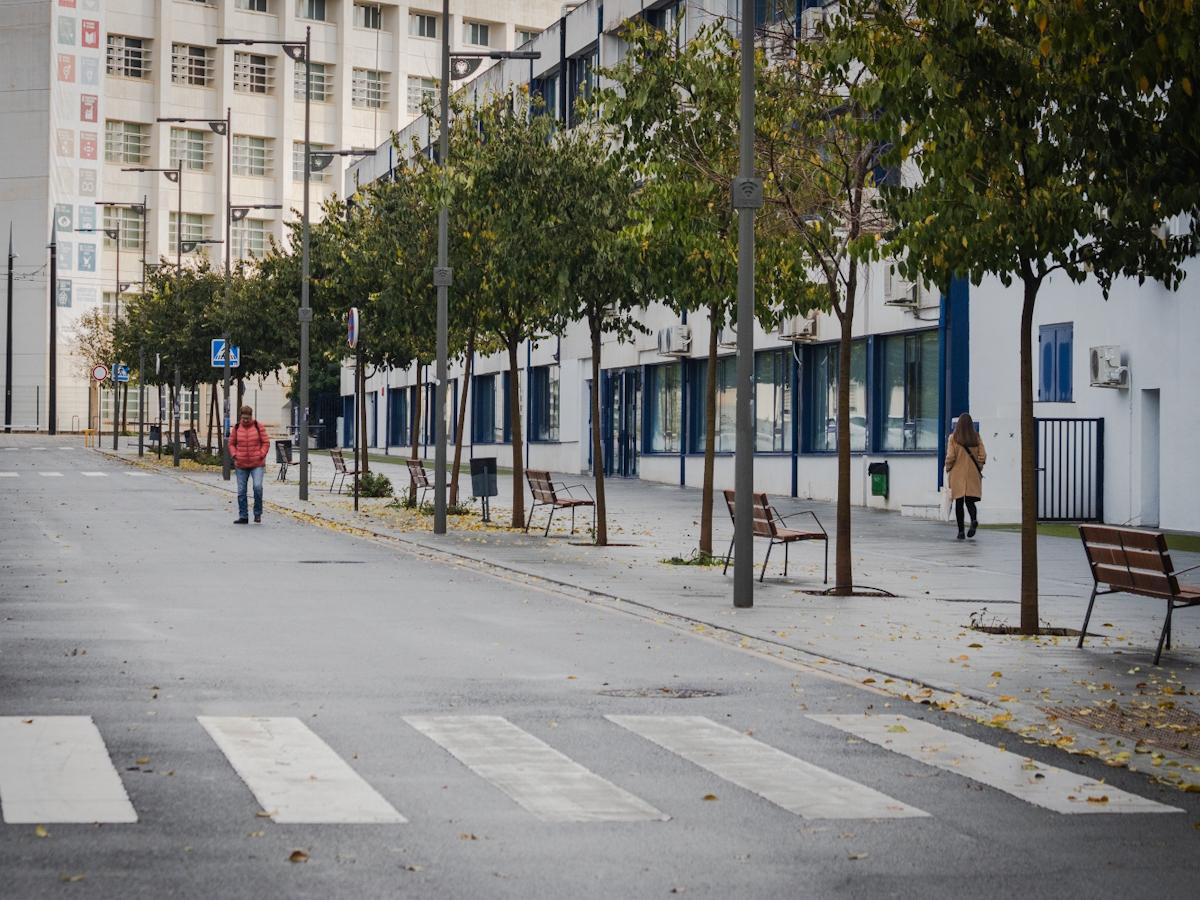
(57, 769)
(12, 449)
(797, 786)
(1052, 788)
(51, 474)
(534, 774)
(10, 474)
(294, 775)
(94, 474)
(140, 474)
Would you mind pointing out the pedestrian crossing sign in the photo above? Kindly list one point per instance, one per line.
(218, 354)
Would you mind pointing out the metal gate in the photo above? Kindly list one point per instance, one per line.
(1070, 472)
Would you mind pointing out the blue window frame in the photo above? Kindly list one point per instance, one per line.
(490, 419)
(725, 435)
(543, 408)
(821, 397)
(773, 401)
(348, 422)
(908, 397)
(1054, 359)
(664, 408)
(397, 416)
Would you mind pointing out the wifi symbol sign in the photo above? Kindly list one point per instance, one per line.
(747, 193)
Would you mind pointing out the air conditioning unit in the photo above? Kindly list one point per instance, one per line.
(674, 340)
(727, 337)
(799, 328)
(898, 290)
(810, 22)
(1106, 368)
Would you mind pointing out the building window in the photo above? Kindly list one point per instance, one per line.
(524, 36)
(1054, 356)
(369, 89)
(664, 408)
(253, 73)
(582, 83)
(298, 162)
(773, 401)
(261, 6)
(322, 82)
(489, 410)
(192, 147)
(397, 416)
(126, 142)
(191, 65)
(128, 57)
(249, 239)
(253, 156)
(910, 391)
(422, 25)
(477, 34)
(195, 228)
(726, 405)
(128, 222)
(822, 383)
(421, 90)
(311, 9)
(545, 90)
(544, 403)
(368, 15)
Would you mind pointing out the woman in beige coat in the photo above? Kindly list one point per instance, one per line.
(965, 457)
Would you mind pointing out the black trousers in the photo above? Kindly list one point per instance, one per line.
(958, 509)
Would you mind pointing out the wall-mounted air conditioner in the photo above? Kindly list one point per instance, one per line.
(898, 290)
(810, 22)
(799, 328)
(674, 340)
(727, 337)
(1105, 366)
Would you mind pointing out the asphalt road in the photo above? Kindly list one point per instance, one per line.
(421, 730)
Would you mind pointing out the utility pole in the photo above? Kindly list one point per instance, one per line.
(8, 340)
(305, 309)
(747, 197)
(225, 461)
(52, 404)
(142, 349)
(442, 277)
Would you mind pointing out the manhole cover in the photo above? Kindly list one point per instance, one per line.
(669, 693)
(331, 562)
(1177, 730)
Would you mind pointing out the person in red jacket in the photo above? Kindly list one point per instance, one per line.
(248, 446)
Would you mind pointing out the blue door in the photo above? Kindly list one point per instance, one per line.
(348, 421)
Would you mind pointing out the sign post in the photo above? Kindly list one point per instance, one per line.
(99, 375)
(352, 343)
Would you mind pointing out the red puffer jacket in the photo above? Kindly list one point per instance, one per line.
(249, 445)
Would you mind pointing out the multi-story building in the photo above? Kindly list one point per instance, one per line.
(82, 83)
(1113, 376)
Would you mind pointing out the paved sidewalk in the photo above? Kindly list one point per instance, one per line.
(916, 645)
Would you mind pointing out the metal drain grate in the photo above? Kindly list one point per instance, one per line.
(1177, 730)
(668, 693)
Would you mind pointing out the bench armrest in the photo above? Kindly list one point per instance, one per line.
(803, 512)
(1185, 571)
(567, 488)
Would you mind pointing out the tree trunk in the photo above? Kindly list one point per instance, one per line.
(514, 408)
(468, 366)
(212, 411)
(414, 422)
(710, 435)
(1029, 558)
(241, 396)
(601, 535)
(843, 583)
(125, 406)
(360, 373)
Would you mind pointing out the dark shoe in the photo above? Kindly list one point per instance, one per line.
(961, 536)
(241, 521)
(971, 530)
(258, 521)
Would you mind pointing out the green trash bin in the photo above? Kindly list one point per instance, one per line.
(879, 479)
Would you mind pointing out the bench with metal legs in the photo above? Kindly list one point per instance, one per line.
(769, 524)
(547, 492)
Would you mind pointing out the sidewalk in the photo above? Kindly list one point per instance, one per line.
(1106, 699)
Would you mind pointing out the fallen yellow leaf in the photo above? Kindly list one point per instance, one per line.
(40, 831)
(709, 797)
(298, 856)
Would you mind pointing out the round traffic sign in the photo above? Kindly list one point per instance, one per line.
(352, 327)
(100, 372)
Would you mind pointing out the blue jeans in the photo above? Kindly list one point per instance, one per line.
(243, 475)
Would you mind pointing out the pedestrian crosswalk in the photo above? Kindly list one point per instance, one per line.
(54, 473)
(58, 769)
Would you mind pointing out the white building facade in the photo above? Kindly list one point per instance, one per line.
(919, 359)
(82, 83)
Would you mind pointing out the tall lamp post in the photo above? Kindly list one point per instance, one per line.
(175, 176)
(223, 127)
(464, 65)
(8, 342)
(52, 400)
(747, 196)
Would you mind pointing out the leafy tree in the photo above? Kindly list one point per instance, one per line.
(1039, 151)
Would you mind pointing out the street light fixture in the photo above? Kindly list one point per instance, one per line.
(175, 176)
(464, 64)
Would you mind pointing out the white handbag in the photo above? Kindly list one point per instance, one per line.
(947, 502)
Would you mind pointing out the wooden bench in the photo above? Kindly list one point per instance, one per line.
(339, 470)
(418, 478)
(1135, 561)
(285, 455)
(556, 495)
(769, 524)
(191, 440)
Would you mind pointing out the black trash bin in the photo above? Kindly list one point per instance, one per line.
(483, 482)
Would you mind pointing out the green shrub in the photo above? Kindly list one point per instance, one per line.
(373, 484)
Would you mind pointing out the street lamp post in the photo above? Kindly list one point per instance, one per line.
(8, 341)
(747, 196)
(52, 400)
(443, 276)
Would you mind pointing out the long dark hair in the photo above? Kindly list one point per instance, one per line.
(965, 434)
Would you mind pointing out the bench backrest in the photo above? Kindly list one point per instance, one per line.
(764, 517)
(1130, 559)
(339, 461)
(416, 471)
(283, 451)
(189, 437)
(540, 485)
